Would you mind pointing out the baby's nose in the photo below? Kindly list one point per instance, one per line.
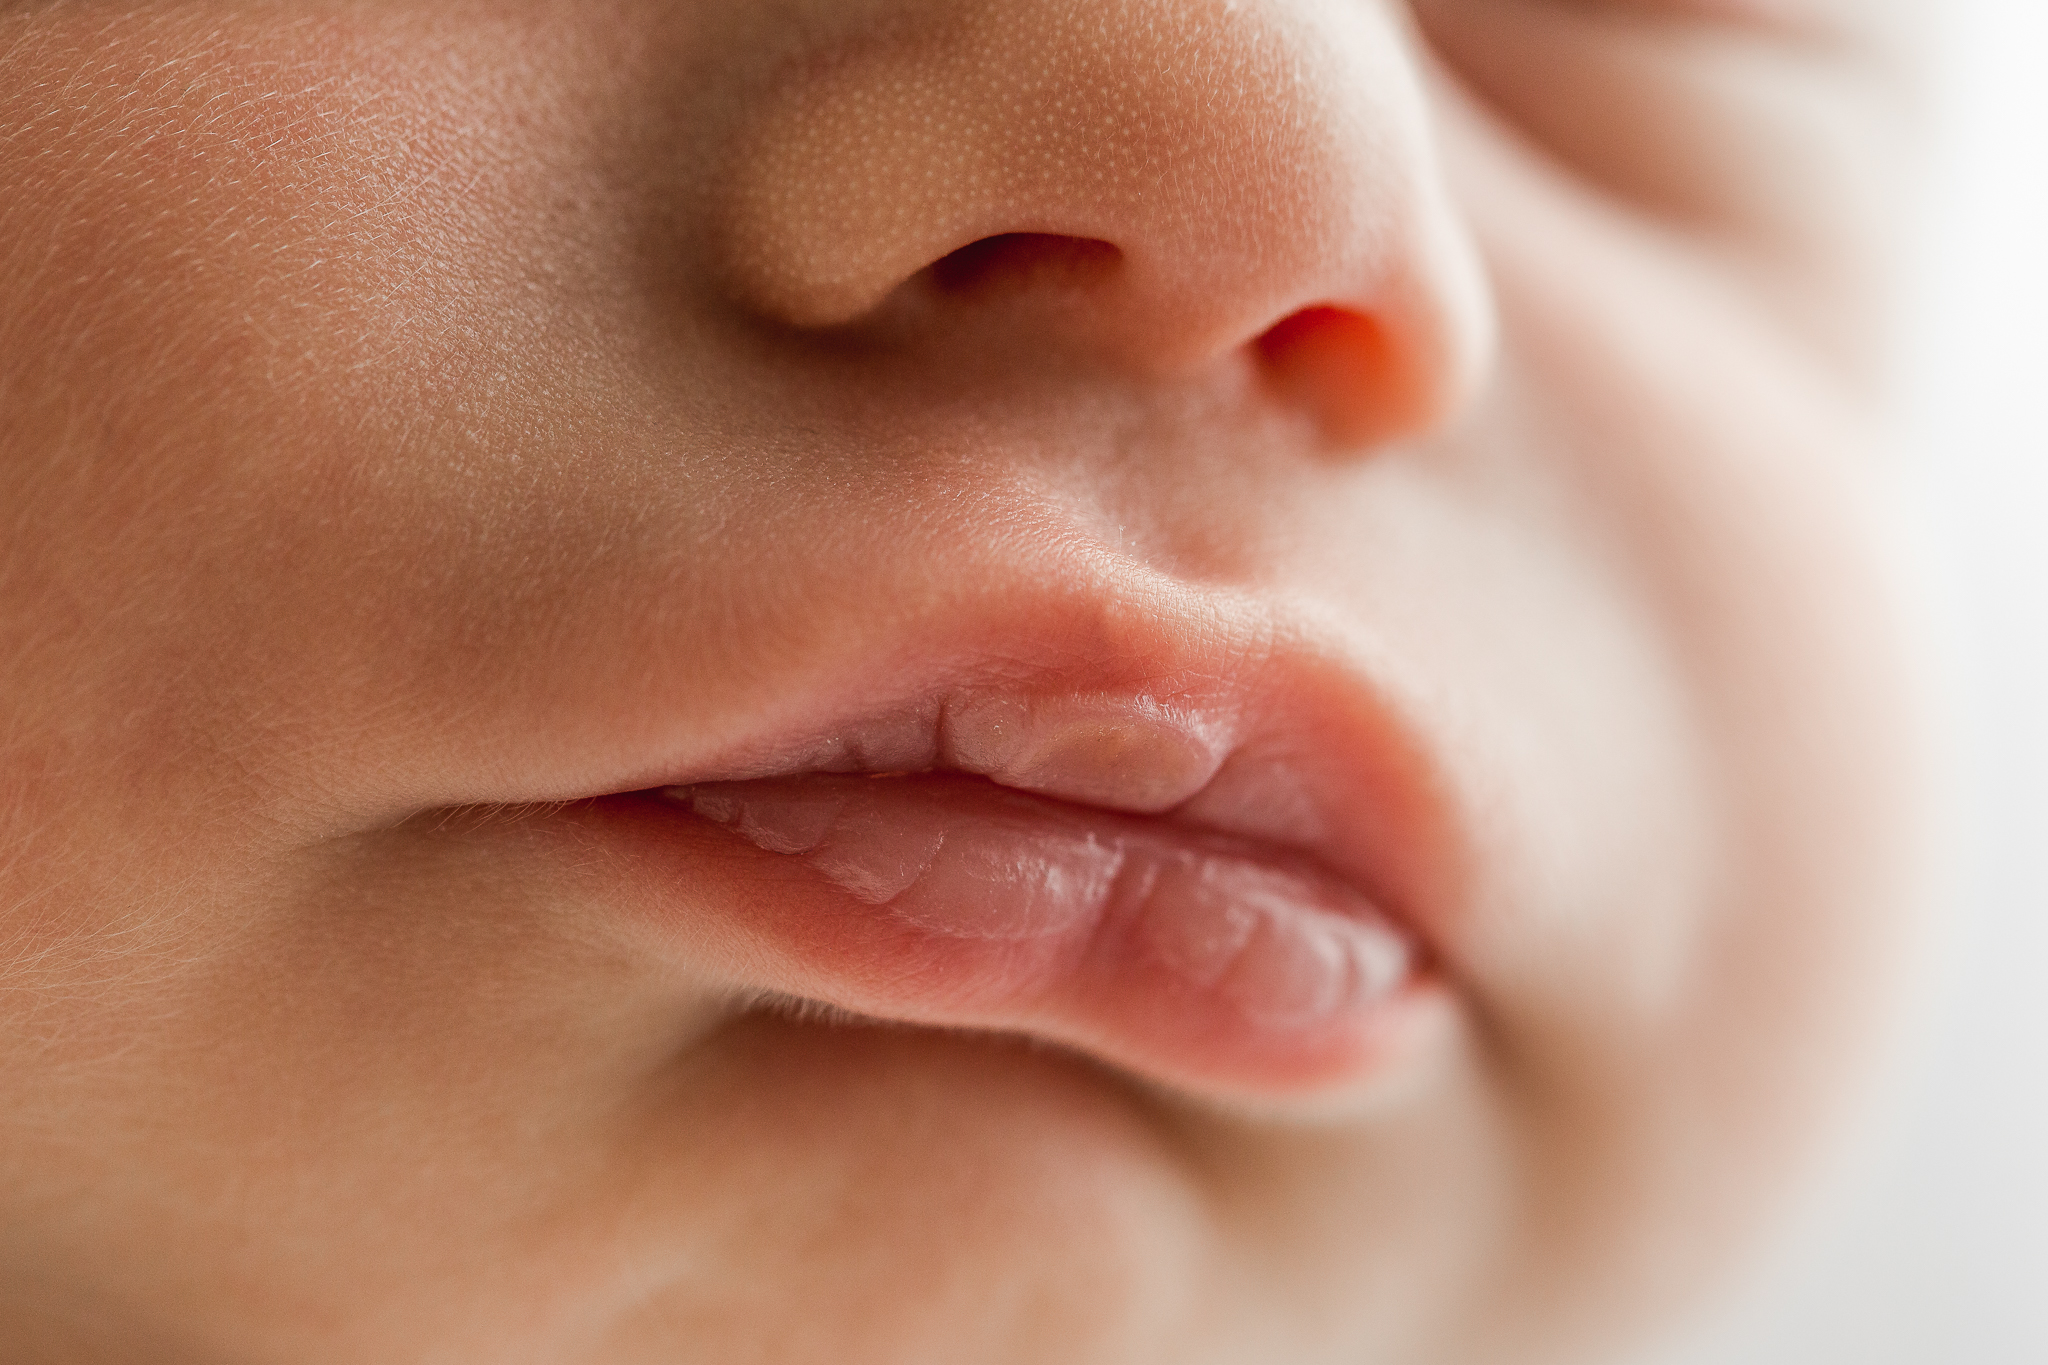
(1196, 177)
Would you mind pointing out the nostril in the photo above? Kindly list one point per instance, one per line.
(1341, 366)
(1127, 191)
(1015, 261)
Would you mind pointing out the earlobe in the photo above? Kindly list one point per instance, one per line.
(1220, 179)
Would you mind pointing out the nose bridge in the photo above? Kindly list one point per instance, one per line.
(1246, 158)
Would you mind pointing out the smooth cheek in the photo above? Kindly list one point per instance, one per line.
(223, 382)
(1689, 993)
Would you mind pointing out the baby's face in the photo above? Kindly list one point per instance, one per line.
(928, 680)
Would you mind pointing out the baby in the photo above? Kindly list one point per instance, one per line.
(956, 681)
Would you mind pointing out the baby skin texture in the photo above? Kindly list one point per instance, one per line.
(1099, 682)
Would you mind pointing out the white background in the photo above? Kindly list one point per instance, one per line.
(1934, 1250)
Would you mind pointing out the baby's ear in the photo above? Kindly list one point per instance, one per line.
(1772, 124)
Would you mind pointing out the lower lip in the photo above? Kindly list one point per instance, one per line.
(1212, 964)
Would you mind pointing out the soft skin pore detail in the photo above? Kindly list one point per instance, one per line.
(1034, 682)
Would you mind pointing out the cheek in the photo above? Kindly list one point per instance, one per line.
(253, 280)
(1703, 761)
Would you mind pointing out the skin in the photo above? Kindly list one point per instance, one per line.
(418, 422)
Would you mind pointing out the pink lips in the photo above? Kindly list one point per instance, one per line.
(990, 896)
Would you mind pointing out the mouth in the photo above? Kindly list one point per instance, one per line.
(1225, 891)
(1207, 837)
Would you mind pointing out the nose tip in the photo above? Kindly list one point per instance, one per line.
(1223, 174)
